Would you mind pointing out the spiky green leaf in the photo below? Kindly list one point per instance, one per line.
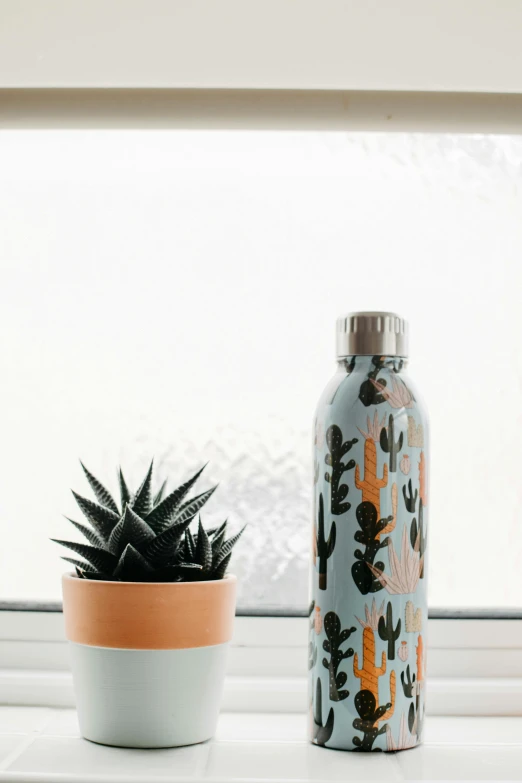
(102, 519)
(78, 564)
(216, 531)
(162, 515)
(220, 570)
(99, 558)
(142, 502)
(165, 544)
(132, 567)
(102, 494)
(203, 549)
(92, 537)
(131, 529)
(124, 491)
(189, 547)
(229, 545)
(159, 494)
(217, 542)
(189, 509)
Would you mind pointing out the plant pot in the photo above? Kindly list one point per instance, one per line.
(148, 659)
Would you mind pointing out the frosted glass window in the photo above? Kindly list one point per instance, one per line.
(175, 294)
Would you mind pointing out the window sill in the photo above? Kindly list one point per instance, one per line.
(475, 665)
(43, 744)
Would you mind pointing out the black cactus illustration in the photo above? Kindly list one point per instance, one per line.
(389, 444)
(321, 734)
(338, 449)
(369, 535)
(325, 547)
(408, 684)
(418, 536)
(336, 637)
(368, 394)
(387, 632)
(410, 500)
(415, 718)
(369, 715)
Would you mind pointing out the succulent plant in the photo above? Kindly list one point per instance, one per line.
(399, 396)
(405, 739)
(147, 537)
(405, 571)
(372, 616)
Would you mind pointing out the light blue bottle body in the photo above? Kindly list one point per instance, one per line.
(368, 616)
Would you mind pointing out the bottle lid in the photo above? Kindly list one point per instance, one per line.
(372, 334)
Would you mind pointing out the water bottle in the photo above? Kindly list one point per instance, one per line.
(368, 613)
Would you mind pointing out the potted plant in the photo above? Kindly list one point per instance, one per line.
(148, 613)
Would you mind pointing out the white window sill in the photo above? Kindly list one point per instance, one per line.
(43, 744)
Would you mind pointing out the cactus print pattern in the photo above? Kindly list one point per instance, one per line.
(367, 689)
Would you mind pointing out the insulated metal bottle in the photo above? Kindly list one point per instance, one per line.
(368, 613)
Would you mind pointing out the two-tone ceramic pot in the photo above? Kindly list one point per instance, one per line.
(148, 659)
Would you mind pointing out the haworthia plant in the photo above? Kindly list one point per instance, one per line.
(147, 538)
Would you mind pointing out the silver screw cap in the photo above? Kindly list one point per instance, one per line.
(372, 334)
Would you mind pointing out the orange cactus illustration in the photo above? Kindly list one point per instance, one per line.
(369, 673)
(422, 480)
(371, 485)
(420, 660)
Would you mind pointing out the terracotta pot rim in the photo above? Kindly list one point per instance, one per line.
(226, 578)
(148, 615)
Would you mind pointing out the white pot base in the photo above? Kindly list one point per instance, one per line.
(148, 698)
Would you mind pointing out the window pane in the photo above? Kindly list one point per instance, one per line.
(175, 294)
